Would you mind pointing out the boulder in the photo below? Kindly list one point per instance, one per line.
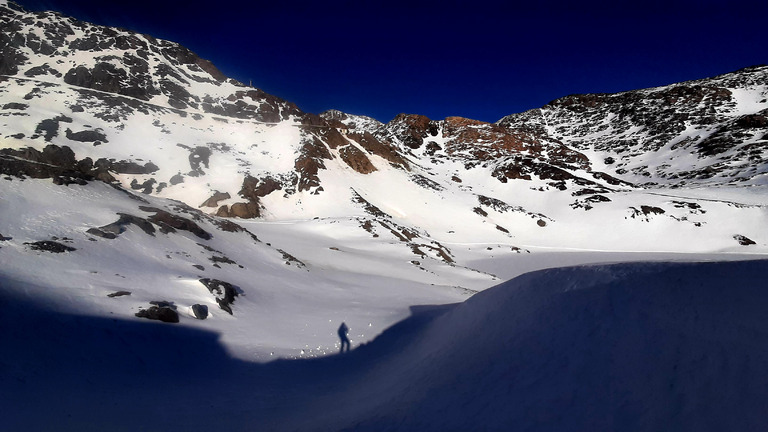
(244, 210)
(200, 311)
(176, 179)
(164, 314)
(223, 211)
(128, 167)
(199, 155)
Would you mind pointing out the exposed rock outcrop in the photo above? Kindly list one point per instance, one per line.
(224, 292)
(217, 196)
(412, 129)
(50, 246)
(163, 311)
(356, 159)
(170, 222)
(116, 228)
(743, 240)
(124, 66)
(310, 161)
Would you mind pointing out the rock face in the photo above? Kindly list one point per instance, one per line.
(413, 129)
(253, 189)
(128, 64)
(696, 121)
(356, 159)
(166, 221)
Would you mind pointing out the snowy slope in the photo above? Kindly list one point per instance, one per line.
(134, 174)
(621, 347)
(287, 306)
(356, 219)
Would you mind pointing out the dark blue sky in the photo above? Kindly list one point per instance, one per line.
(475, 59)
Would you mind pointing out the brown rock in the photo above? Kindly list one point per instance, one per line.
(244, 210)
(310, 162)
(266, 186)
(356, 159)
(412, 128)
(223, 211)
(380, 148)
(213, 201)
(330, 136)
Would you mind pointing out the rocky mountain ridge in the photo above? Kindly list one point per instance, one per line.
(91, 92)
(706, 119)
(713, 130)
(50, 47)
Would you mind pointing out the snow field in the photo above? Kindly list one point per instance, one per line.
(630, 346)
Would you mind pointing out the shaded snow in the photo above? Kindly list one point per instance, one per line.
(646, 346)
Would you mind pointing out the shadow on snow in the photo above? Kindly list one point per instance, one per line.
(624, 347)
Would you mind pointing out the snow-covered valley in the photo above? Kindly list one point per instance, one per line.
(594, 264)
(642, 346)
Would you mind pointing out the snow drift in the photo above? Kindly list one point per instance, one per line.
(642, 346)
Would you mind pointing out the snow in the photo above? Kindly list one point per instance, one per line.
(341, 286)
(749, 100)
(643, 346)
(673, 327)
(347, 274)
(131, 373)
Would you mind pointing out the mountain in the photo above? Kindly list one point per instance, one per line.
(151, 204)
(160, 161)
(704, 132)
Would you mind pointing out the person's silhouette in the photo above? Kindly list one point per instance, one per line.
(343, 330)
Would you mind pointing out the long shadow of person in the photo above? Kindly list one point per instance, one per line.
(343, 331)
